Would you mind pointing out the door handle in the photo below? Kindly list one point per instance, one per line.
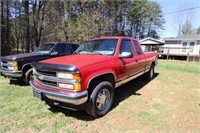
(136, 60)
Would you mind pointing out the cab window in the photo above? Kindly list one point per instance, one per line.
(62, 49)
(126, 46)
(137, 46)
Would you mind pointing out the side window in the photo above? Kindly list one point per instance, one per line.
(137, 46)
(62, 49)
(126, 46)
(74, 47)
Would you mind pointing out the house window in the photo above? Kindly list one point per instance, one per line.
(198, 42)
(191, 46)
(184, 46)
(171, 42)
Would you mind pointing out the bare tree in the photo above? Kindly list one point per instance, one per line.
(181, 18)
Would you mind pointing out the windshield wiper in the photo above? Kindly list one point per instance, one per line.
(77, 52)
(96, 52)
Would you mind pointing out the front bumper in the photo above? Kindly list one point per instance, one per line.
(12, 74)
(78, 98)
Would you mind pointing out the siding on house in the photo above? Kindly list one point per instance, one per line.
(183, 44)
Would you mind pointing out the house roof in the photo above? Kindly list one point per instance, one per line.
(150, 41)
(185, 37)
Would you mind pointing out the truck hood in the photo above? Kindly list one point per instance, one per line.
(26, 56)
(80, 61)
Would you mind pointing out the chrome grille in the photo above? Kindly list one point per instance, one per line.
(44, 81)
(46, 73)
(5, 64)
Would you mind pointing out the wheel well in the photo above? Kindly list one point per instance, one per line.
(105, 77)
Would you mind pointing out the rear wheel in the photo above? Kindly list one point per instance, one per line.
(150, 74)
(101, 99)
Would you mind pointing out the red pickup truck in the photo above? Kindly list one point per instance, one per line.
(86, 79)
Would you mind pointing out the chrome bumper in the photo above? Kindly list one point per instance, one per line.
(14, 74)
(74, 99)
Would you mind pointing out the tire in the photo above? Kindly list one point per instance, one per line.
(28, 76)
(150, 74)
(101, 99)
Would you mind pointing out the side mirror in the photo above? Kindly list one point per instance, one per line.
(54, 53)
(125, 55)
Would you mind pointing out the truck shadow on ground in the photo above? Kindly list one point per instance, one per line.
(121, 93)
(17, 82)
(125, 91)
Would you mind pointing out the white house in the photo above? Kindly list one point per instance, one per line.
(182, 45)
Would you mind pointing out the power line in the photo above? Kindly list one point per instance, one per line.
(181, 10)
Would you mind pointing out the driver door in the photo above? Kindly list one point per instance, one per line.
(129, 63)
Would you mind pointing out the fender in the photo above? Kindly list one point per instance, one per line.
(26, 65)
(97, 74)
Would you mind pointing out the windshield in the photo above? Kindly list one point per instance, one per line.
(44, 48)
(101, 46)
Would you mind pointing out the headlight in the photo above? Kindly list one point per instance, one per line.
(13, 65)
(64, 75)
(74, 76)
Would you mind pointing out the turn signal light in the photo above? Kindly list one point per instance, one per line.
(77, 87)
(14, 63)
(76, 76)
(16, 68)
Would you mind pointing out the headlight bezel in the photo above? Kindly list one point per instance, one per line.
(76, 86)
(13, 65)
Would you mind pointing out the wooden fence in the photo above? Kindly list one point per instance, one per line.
(178, 52)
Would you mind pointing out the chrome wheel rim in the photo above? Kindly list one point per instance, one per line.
(103, 99)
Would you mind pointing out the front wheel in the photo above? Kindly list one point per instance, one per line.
(101, 99)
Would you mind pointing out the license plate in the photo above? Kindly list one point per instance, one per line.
(37, 94)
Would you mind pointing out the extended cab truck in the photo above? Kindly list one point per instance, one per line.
(87, 78)
(18, 67)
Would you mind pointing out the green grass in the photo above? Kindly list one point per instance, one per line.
(180, 66)
(169, 103)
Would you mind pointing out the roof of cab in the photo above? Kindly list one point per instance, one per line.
(117, 37)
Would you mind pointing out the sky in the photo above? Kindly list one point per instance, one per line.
(173, 19)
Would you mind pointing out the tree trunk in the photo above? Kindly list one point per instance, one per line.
(2, 28)
(6, 48)
(26, 7)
